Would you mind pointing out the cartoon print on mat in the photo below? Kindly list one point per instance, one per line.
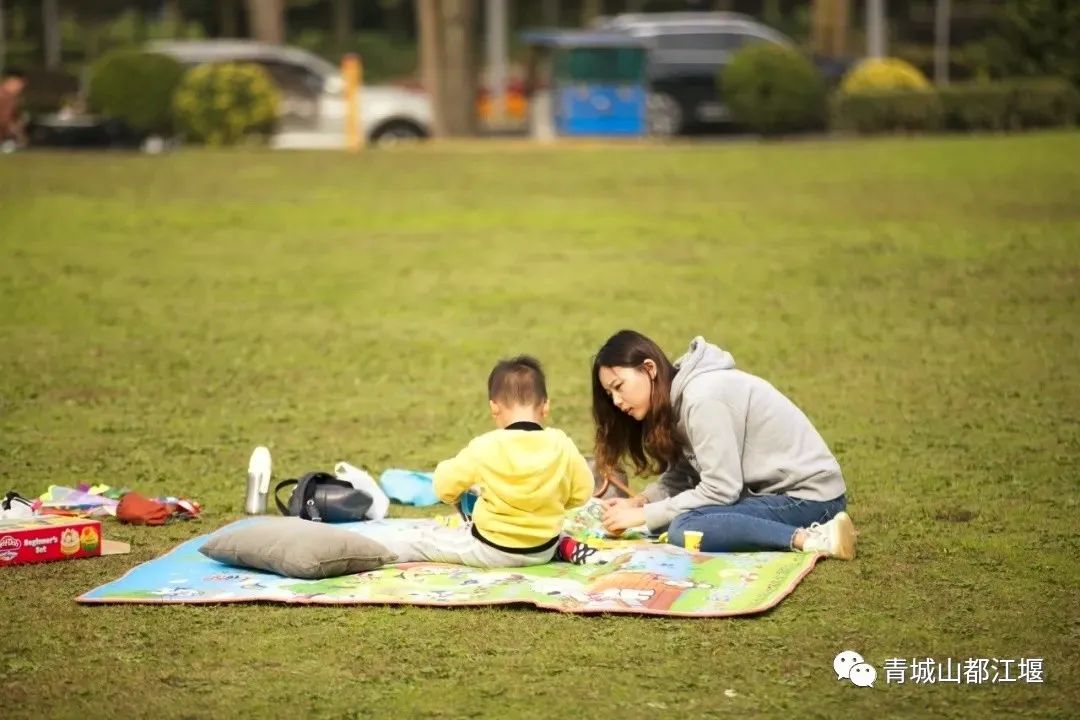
(630, 576)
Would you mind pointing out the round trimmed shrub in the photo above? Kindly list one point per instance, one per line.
(136, 88)
(881, 74)
(773, 89)
(220, 104)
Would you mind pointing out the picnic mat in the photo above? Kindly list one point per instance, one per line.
(635, 576)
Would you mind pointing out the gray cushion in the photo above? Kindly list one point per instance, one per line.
(296, 548)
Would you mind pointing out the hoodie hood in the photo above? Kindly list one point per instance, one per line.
(702, 357)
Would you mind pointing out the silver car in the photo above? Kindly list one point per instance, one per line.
(686, 52)
(312, 113)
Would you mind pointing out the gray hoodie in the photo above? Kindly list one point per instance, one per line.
(745, 438)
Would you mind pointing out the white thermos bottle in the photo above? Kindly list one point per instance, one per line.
(258, 481)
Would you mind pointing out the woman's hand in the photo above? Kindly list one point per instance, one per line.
(636, 501)
(622, 516)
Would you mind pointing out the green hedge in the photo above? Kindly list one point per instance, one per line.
(772, 89)
(996, 106)
(1043, 102)
(881, 111)
(976, 106)
(137, 88)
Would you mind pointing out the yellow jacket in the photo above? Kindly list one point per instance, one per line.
(527, 479)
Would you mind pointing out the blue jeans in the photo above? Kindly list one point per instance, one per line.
(755, 522)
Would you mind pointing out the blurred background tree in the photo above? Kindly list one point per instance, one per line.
(987, 38)
(1036, 38)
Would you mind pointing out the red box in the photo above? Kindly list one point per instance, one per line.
(47, 538)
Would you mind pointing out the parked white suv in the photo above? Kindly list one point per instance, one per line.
(312, 113)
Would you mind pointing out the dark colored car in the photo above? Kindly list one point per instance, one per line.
(80, 131)
(687, 51)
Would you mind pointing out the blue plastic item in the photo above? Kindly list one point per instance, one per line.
(409, 487)
(601, 109)
(466, 503)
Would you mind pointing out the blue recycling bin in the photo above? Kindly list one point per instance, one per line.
(598, 82)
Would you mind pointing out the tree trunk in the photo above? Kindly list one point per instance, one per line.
(496, 26)
(459, 60)
(266, 20)
(590, 10)
(876, 45)
(448, 63)
(343, 26)
(829, 27)
(942, 17)
(840, 24)
(818, 26)
(3, 36)
(229, 26)
(429, 20)
(50, 23)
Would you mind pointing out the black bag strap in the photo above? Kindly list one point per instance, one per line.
(284, 483)
(305, 490)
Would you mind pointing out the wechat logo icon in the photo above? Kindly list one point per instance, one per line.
(850, 665)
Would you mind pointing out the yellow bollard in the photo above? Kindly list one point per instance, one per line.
(352, 73)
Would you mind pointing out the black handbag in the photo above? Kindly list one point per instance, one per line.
(321, 497)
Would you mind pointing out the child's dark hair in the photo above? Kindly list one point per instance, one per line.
(13, 72)
(518, 381)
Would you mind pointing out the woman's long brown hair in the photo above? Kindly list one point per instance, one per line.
(654, 443)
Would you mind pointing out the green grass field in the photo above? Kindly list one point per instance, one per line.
(920, 299)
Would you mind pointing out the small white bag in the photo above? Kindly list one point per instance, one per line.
(361, 480)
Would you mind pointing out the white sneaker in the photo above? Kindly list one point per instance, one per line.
(835, 538)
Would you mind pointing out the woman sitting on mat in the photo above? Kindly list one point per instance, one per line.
(741, 463)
